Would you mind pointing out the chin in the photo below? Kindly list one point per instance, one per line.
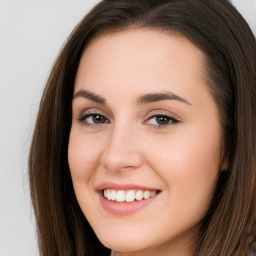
(124, 243)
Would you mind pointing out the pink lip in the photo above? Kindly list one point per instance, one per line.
(123, 208)
(118, 186)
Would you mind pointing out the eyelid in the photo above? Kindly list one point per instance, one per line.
(81, 118)
(91, 112)
(162, 112)
(173, 119)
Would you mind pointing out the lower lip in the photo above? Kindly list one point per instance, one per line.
(124, 208)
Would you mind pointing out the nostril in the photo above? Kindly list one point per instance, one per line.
(121, 160)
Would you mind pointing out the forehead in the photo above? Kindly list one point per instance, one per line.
(142, 59)
(140, 50)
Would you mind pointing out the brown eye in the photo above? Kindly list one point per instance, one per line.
(93, 119)
(162, 120)
(98, 119)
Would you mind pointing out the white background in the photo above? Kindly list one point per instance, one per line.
(31, 34)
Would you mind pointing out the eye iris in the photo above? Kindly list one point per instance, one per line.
(162, 120)
(98, 119)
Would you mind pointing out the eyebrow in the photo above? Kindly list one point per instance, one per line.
(147, 98)
(89, 95)
(155, 97)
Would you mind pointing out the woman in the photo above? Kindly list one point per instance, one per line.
(144, 142)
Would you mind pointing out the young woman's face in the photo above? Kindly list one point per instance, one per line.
(145, 148)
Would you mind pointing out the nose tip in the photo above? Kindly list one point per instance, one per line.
(120, 162)
(120, 155)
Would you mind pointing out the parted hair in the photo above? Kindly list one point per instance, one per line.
(229, 47)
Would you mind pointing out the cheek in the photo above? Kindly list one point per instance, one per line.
(83, 156)
(189, 167)
(188, 154)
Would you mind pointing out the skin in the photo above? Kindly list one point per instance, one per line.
(131, 146)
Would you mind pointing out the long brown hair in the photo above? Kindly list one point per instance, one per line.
(222, 34)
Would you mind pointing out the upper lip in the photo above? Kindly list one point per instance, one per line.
(123, 186)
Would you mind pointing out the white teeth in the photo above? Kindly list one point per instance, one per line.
(130, 196)
(120, 196)
(108, 194)
(146, 195)
(139, 195)
(127, 196)
(113, 195)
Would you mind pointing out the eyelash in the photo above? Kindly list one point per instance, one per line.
(83, 118)
(170, 120)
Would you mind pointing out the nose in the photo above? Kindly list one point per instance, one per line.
(122, 150)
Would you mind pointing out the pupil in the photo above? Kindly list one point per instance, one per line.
(162, 120)
(98, 119)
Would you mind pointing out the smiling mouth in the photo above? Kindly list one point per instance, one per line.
(128, 196)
